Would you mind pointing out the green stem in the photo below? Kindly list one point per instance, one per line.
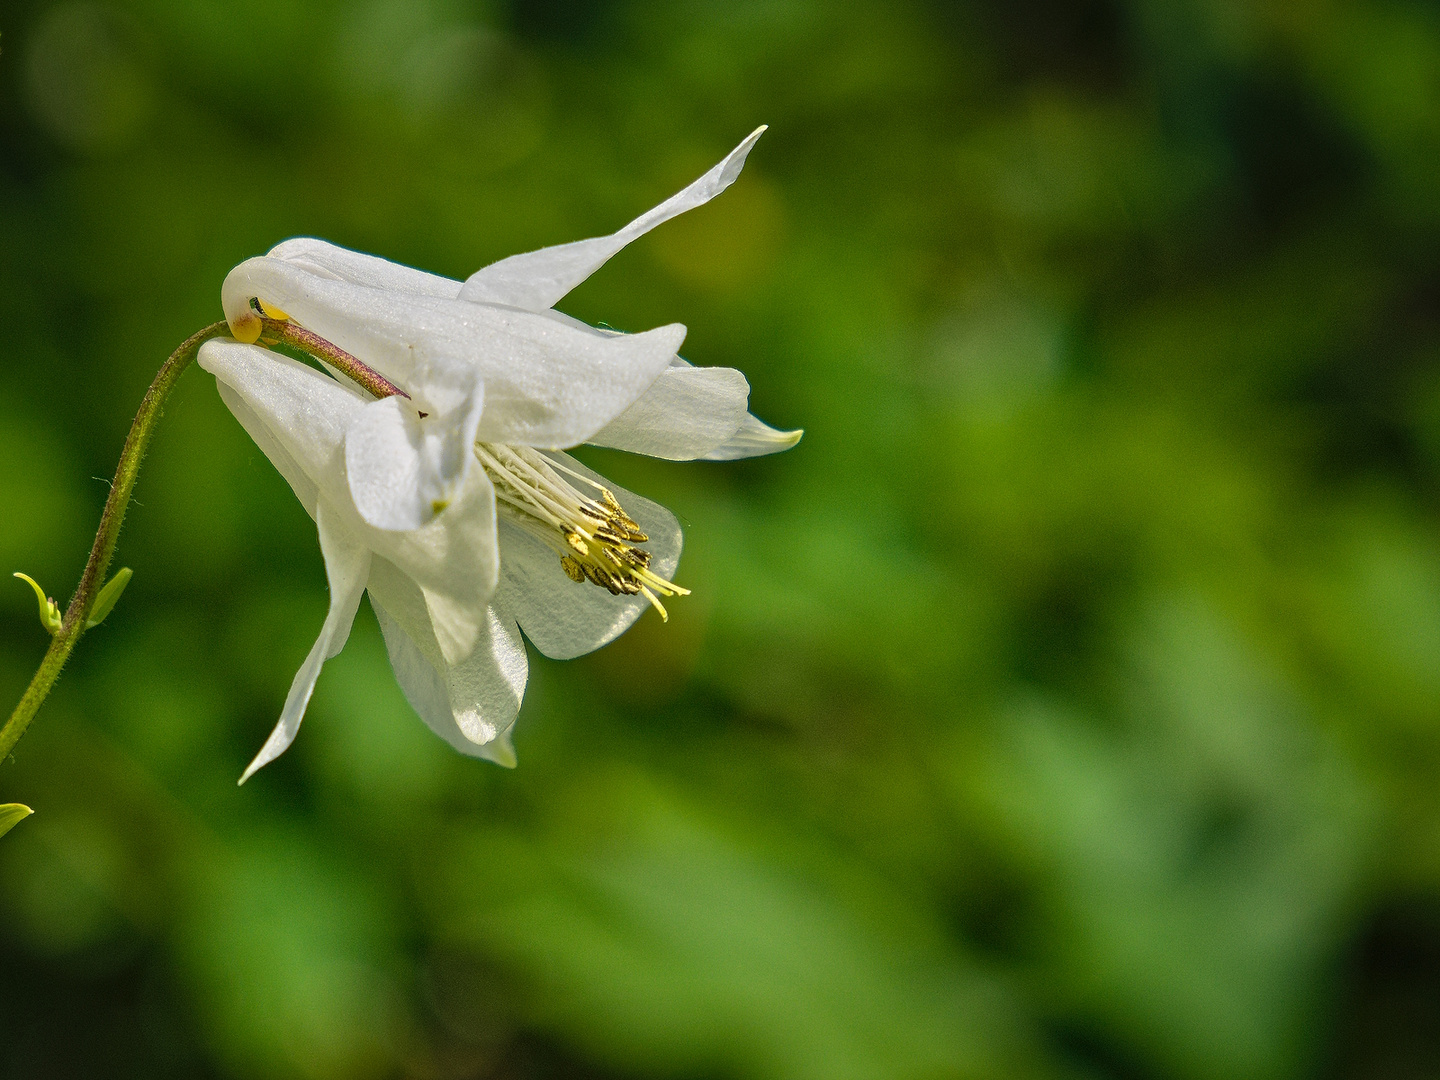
(111, 519)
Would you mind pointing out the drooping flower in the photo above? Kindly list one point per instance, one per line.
(451, 499)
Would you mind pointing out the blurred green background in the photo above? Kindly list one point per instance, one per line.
(1066, 705)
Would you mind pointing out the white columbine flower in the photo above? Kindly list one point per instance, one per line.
(452, 502)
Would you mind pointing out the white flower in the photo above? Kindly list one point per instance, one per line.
(452, 502)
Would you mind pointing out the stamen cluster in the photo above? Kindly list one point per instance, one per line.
(594, 537)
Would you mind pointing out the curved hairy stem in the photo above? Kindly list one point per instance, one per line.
(73, 625)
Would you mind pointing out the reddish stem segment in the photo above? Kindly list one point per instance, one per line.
(280, 332)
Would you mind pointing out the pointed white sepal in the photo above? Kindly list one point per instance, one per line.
(540, 279)
(753, 438)
(686, 413)
(347, 566)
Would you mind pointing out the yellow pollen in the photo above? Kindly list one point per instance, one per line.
(272, 312)
(593, 536)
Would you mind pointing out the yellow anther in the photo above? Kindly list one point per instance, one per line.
(272, 312)
(592, 534)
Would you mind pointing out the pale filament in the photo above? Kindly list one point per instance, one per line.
(593, 536)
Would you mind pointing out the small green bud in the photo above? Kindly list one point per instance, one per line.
(107, 598)
(11, 814)
(49, 610)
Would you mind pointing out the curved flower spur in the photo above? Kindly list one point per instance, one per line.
(433, 463)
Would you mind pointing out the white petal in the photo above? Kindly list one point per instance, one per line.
(291, 408)
(539, 279)
(563, 618)
(565, 397)
(305, 489)
(453, 561)
(754, 438)
(454, 557)
(471, 705)
(341, 264)
(686, 413)
(383, 465)
(347, 565)
(546, 383)
(403, 468)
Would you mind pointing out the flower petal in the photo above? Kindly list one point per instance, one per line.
(341, 264)
(546, 382)
(403, 468)
(471, 705)
(305, 489)
(383, 463)
(753, 438)
(295, 414)
(539, 279)
(347, 565)
(565, 619)
(686, 413)
(454, 561)
(303, 412)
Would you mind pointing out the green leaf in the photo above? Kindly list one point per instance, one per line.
(108, 597)
(49, 610)
(11, 814)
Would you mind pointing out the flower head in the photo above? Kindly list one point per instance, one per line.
(433, 463)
